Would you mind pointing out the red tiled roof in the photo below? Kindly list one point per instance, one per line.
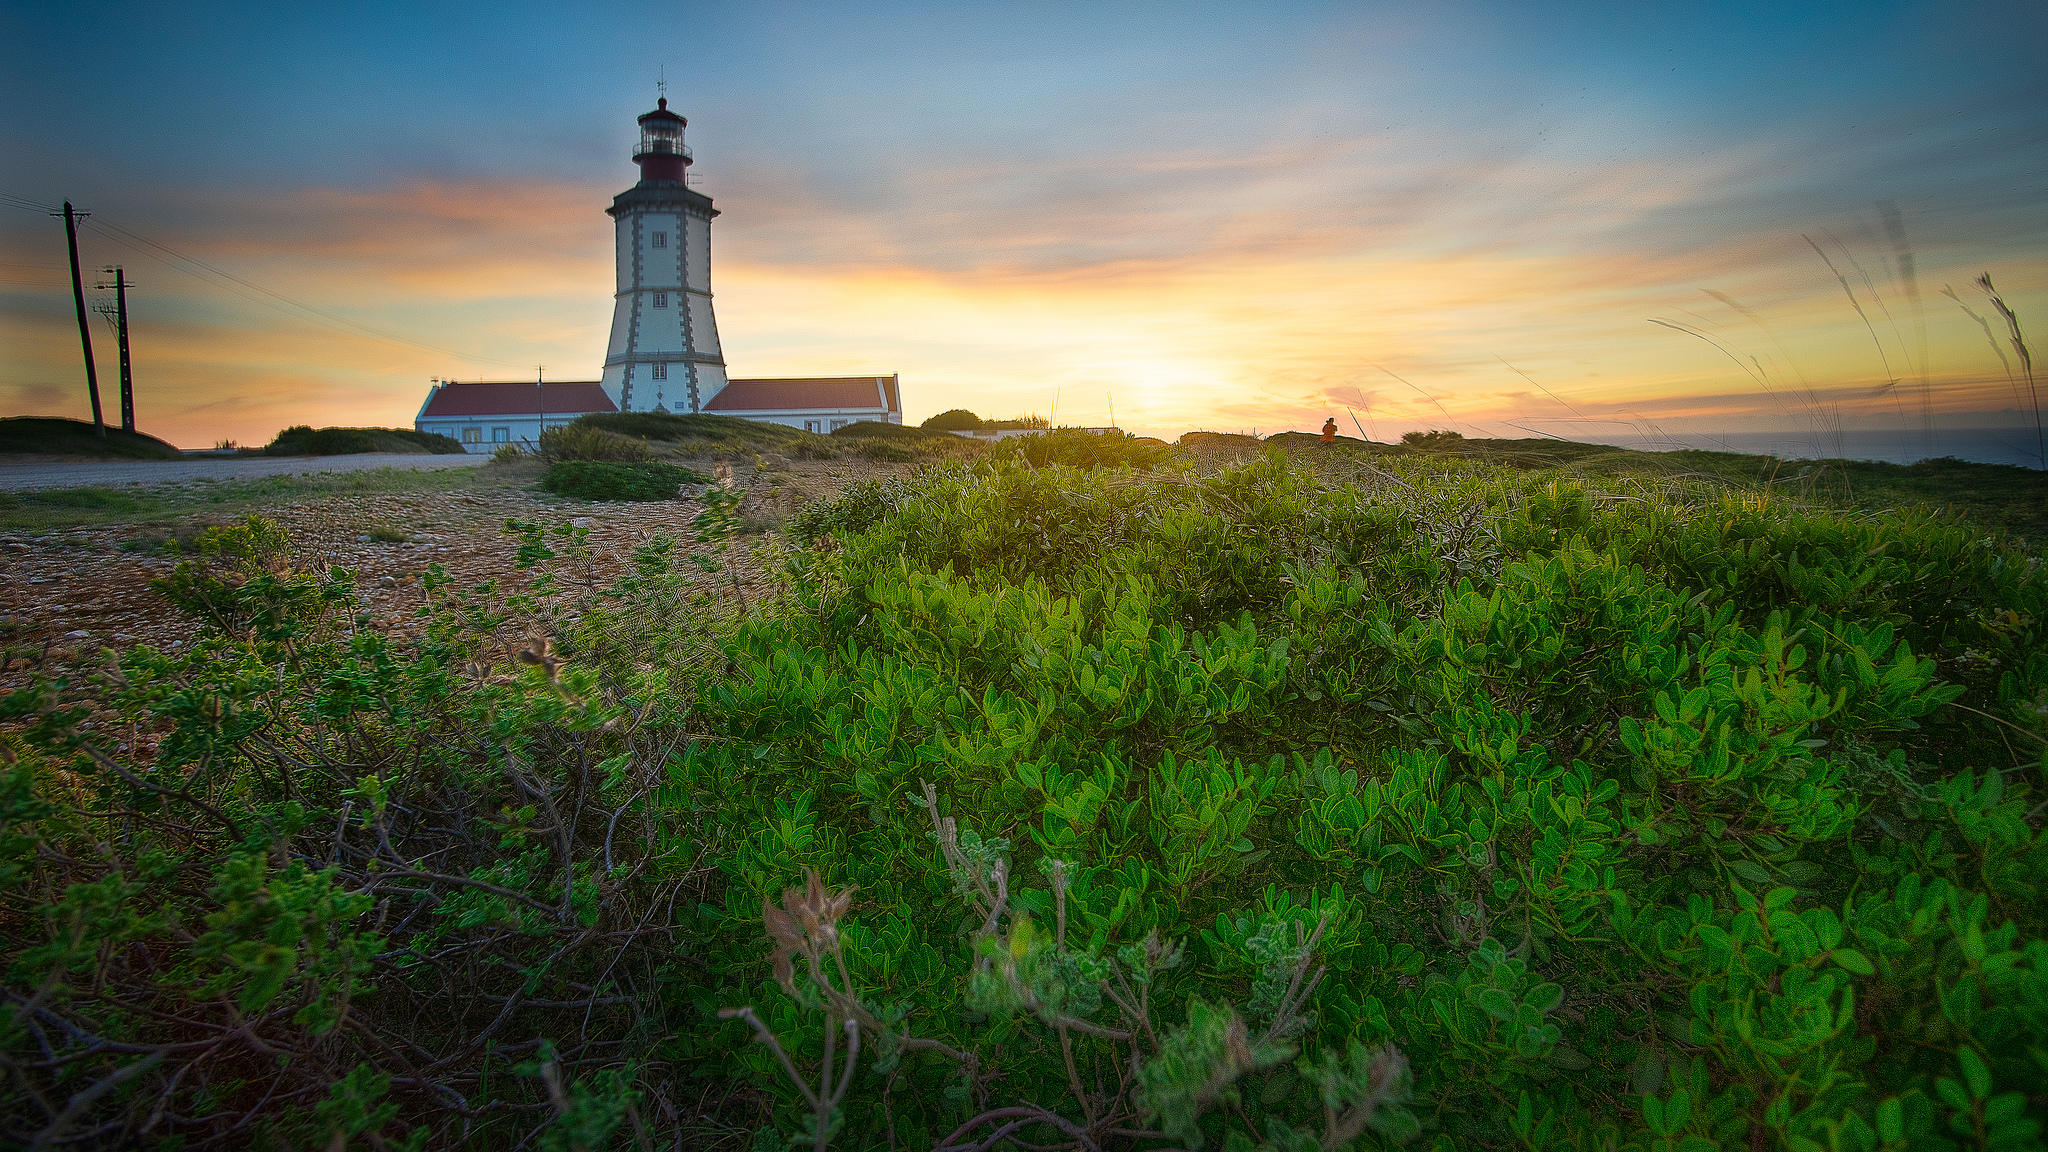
(829, 393)
(516, 399)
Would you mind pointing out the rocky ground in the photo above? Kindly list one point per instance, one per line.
(67, 595)
(25, 473)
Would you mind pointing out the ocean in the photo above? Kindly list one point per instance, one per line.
(2013, 445)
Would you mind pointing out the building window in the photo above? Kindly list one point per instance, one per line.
(838, 424)
(810, 425)
(472, 435)
(661, 299)
(501, 435)
(661, 371)
(661, 239)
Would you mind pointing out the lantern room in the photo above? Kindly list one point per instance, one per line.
(661, 155)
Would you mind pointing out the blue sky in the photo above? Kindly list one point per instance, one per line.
(1210, 215)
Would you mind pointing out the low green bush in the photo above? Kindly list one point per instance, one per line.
(694, 426)
(1081, 449)
(1459, 806)
(580, 441)
(304, 440)
(853, 509)
(883, 450)
(366, 888)
(1591, 822)
(953, 419)
(877, 430)
(612, 480)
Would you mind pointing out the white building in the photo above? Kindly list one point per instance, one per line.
(664, 354)
(484, 415)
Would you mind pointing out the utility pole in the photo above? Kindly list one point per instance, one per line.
(120, 286)
(92, 376)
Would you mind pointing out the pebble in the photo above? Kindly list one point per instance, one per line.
(463, 533)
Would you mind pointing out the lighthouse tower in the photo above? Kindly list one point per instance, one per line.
(664, 354)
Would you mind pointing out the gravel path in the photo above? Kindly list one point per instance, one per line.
(67, 593)
(84, 473)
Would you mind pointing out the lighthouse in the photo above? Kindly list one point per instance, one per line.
(664, 354)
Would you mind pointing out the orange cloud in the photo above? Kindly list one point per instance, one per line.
(1262, 290)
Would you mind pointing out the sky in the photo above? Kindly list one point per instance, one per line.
(1510, 219)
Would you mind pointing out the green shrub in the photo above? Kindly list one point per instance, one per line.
(725, 430)
(855, 508)
(954, 419)
(608, 480)
(1433, 436)
(1079, 449)
(882, 450)
(347, 856)
(877, 430)
(304, 440)
(580, 441)
(1460, 806)
(1608, 816)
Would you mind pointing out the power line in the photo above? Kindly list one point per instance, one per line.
(244, 287)
(248, 289)
(26, 204)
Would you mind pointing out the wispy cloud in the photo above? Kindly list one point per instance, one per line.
(1251, 221)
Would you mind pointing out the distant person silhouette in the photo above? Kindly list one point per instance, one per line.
(1330, 431)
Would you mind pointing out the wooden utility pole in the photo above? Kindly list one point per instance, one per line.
(120, 286)
(92, 376)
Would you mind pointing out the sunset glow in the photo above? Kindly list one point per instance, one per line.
(1236, 218)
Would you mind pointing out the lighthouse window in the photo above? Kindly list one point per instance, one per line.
(661, 239)
(661, 299)
(661, 371)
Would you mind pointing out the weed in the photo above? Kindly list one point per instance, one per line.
(580, 441)
(885, 451)
(2026, 358)
(608, 480)
(1081, 449)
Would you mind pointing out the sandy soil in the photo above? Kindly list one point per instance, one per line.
(67, 595)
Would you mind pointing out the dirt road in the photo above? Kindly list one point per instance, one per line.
(52, 473)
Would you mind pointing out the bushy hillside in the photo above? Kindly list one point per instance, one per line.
(723, 431)
(304, 440)
(1454, 806)
(56, 436)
